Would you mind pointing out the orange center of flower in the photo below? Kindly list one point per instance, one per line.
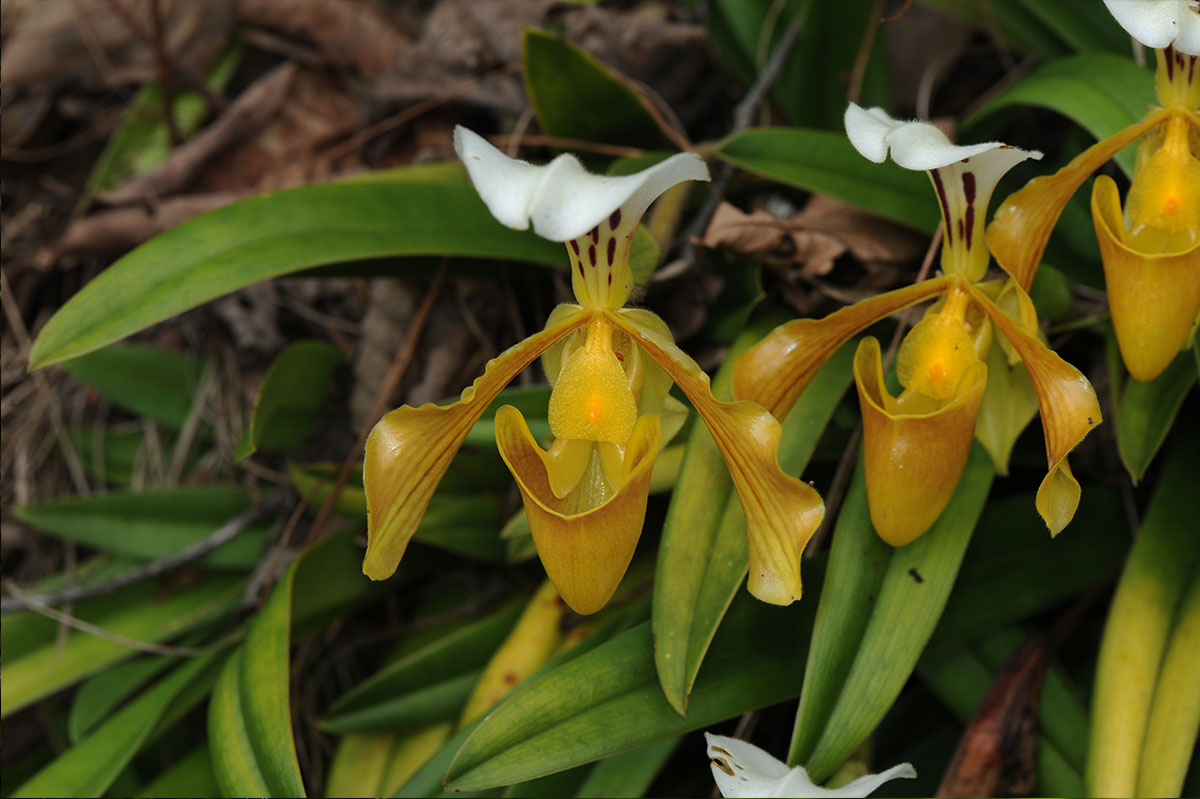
(1171, 205)
(595, 408)
(937, 371)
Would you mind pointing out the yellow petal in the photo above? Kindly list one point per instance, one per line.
(1154, 298)
(584, 554)
(1022, 224)
(410, 449)
(777, 369)
(1069, 411)
(913, 462)
(1058, 497)
(782, 512)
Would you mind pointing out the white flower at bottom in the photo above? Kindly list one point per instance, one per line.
(742, 769)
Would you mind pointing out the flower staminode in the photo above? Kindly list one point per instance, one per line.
(610, 412)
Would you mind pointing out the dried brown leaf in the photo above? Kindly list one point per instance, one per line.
(812, 239)
(997, 753)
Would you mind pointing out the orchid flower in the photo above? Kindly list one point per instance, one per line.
(611, 368)
(916, 444)
(743, 769)
(1151, 251)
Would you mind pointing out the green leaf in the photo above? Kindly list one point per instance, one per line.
(459, 652)
(1077, 23)
(1137, 631)
(464, 515)
(249, 719)
(140, 612)
(414, 211)
(190, 776)
(263, 679)
(156, 383)
(1014, 569)
(1101, 92)
(1147, 411)
(811, 85)
(702, 557)
(904, 610)
(291, 394)
(100, 694)
(152, 524)
(581, 711)
(235, 764)
(629, 773)
(577, 97)
(88, 768)
(826, 162)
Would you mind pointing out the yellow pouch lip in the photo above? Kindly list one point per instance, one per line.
(584, 554)
(913, 461)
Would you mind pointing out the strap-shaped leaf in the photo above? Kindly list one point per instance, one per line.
(416, 211)
(1101, 92)
(903, 611)
(89, 767)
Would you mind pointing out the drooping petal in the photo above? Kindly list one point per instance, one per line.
(585, 554)
(742, 769)
(562, 199)
(1022, 223)
(782, 512)
(1159, 23)
(1154, 298)
(775, 371)
(1069, 410)
(410, 449)
(913, 462)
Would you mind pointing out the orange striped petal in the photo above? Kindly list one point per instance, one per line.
(1069, 411)
(1022, 224)
(410, 449)
(585, 554)
(1154, 298)
(913, 461)
(782, 512)
(777, 369)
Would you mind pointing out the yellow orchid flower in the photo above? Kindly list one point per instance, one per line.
(916, 444)
(611, 368)
(1151, 251)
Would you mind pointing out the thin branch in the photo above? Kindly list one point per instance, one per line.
(743, 115)
(415, 110)
(122, 640)
(215, 98)
(166, 79)
(223, 534)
